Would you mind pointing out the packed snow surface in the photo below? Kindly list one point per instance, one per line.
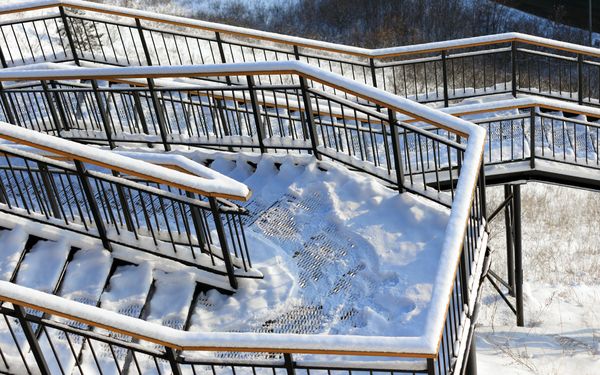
(335, 247)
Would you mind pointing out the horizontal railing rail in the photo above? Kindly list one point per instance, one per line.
(432, 72)
(92, 195)
(320, 115)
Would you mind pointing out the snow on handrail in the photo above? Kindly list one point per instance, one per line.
(204, 181)
(379, 53)
(423, 346)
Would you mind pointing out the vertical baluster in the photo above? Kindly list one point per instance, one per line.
(89, 195)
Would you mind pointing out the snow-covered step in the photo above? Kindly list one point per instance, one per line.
(86, 276)
(126, 294)
(84, 280)
(41, 268)
(43, 265)
(170, 302)
(11, 249)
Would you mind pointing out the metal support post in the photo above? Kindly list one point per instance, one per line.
(34, 344)
(310, 118)
(63, 16)
(260, 129)
(214, 206)
(91, 199)
(518, 255)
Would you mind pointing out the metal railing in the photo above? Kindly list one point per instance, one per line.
(434, 72)
(285, 118)
(103, 201)
(532, 128)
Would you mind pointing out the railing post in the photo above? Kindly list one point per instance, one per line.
(482, 191)
(296, 52)
(124, 206)
(518, 255)
(398, 166)
(89, 195)
(532, 138)
(373, 74)
(471, 361)
(510, 254)
(580, 79)
(222, 53)
(214, 206)
(513, 68)
(138, 25)
(49, 187)
(59, 106)
(103, 114)
(138, 107)
(34, 345)
(197, 222)
(289, 364)
(55, 117)
(310, 118)
(172, 358)
(445, 77)
(464, 277)
(260, 130)
(430, 366)
(3, 59)
(160, 116)
(63, 16)
(8, 112)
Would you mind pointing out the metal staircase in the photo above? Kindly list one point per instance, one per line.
(276, 94)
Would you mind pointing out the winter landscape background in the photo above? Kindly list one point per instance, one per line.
(560, 238)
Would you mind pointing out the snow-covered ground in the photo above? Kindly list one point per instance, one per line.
(562, 288)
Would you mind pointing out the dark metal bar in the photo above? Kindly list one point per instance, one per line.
(398, 166)
(518, 255)
(510, 255)
(34, 345)
(309, 117)
(260, 129)
(63, 16)
(140, 29)
(8, 110)
(214, 206)
(373, 75)
(59, 105)
(197, 222)
(124, 206)
(140, 111)
(89, 194)
(430, 366)
(222, 53)
(289, 364)
(499, 291)
(513, 68)
(532, 138)
(48, 187)
(445, 77)
(471, 366)
(502, 206)
(3, 59)
(160, 116)
(51, 108)
(172, 358)
(580, 79)
(103, 114)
